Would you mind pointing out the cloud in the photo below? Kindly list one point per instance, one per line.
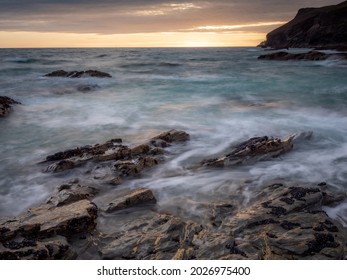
(233, 27)
(136, 16)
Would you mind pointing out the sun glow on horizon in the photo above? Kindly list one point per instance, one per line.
(158, 39)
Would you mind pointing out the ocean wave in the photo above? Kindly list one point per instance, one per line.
(22, 60)
(333, 61)
(160, 64)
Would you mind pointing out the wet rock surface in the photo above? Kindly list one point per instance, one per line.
(281, 221)
(254, 149)
(312, 55)
(288, 223)
(6, 105)
(151, 236)
(112, 162)
(133, 198)
(78, 74)
(43, 232)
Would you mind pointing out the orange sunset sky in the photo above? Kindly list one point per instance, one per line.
(151, 23)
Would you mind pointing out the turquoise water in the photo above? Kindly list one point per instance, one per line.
(219, 96)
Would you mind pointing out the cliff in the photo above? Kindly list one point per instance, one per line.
(324, 27)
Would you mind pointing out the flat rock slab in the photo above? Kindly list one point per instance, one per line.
(78, 74)
(40, 232)
(46, 221)
(130, 199)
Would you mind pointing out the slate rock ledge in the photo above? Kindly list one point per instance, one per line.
(312, 55)
(78, 74)
(281, 220)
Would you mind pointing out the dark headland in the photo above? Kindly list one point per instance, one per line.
(320, 28)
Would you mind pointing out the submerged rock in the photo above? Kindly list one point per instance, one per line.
(254, 149)
(6, 105)
(78, 74)
(312, 55)
(87, 88)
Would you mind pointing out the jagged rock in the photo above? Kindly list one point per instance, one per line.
(79, 151)
(280, 223)
(135, 166)
(115, 153)
(115, 181)
(124, 161)
(62, 165)
(71, 192)
(56, 248)
(324, 27)
(48, 220)
(170, 136)
(5, 105)
(140, 150)
(69, 159)
(151, 236)
(39, 233)
(287, 223)
(78, 74)
(254, 149)
(312, 55)
(135, 197)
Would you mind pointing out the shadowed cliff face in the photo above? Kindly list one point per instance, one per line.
(313, 27)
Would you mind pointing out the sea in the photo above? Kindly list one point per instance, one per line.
(220, 96)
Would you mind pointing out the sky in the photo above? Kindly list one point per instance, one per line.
(143, 23)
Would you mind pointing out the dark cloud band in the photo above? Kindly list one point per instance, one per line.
(124, 16)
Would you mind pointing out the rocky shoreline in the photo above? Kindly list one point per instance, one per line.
(282, 221)
(312, 55)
